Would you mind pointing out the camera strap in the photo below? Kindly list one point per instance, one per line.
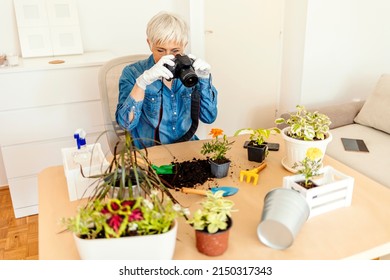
(157, 130)
(195, 109)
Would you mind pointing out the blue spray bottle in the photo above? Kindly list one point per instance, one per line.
(83, 154)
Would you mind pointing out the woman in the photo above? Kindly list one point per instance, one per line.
(155, 108)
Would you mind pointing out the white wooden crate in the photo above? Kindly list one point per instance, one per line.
(79, 186)
(334, 191)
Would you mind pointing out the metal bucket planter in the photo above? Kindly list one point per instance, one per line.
(284, 213)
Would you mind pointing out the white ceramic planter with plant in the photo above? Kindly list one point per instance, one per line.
(325, 188)
(305, 129)
(141, 247)
(127, 224)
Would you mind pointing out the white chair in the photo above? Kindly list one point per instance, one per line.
(108, 78)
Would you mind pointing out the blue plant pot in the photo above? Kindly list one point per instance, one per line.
(219, 170)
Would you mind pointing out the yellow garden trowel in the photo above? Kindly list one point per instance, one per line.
(227, 191)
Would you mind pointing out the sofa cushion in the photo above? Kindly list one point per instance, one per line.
(375, 112)
(375, 163)
(341, 114)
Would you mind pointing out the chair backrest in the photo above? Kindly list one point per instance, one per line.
(108, 78)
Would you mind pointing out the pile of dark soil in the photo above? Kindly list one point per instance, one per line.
(188, 174)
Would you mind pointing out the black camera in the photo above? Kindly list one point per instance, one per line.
(183, 70)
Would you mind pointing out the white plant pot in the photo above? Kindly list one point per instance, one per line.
(146, 247)
(296, 149)
(334, 190)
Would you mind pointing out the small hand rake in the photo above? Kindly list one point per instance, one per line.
(253, 173)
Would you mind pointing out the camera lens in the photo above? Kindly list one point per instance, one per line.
(188, 77)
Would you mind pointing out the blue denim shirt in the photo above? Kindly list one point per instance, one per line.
(176, 116)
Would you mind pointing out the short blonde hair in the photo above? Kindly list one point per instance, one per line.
(165, 27)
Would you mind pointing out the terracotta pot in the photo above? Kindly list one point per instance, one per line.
(2, 59)
(212, 244)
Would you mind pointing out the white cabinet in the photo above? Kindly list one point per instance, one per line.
(41, 105)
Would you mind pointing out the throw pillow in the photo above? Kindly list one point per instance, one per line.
(375, 112)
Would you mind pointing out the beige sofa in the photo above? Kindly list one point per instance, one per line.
(369, 121)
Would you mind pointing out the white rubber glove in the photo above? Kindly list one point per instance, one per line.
(202, 68)
(157, 72)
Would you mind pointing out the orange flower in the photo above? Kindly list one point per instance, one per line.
(215, 132)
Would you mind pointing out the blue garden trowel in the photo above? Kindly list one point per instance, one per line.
(227, 190)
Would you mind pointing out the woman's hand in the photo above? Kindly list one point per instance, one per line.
(202, 68)
(157, 72)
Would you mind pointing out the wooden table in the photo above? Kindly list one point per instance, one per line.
(360, 231)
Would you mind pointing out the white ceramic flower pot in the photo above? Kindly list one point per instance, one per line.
(147, 247)
(296, 149)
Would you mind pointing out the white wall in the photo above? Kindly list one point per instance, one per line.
(346, 49)
(333, 51)
(121, 25)
(293, 37)
(118, 25)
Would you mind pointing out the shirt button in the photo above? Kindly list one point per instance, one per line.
(173, 128)
(172, 95)
(153, 99)
(174, 113)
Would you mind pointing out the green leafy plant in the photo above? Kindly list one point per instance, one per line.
(129, 174)
(306, 125)
(114, 218)
(214, 214)
(218, 147)
(128, 198)
(310, 165)
(260, 135)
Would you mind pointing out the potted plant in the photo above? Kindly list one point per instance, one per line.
(304, 129)
(309, 167)
(212, 223)
(131, 214)
(324, 188)
(218, 148)
(257, 146)
(130, 173)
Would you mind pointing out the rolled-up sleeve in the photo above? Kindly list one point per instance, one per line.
(126, 103)
(208, 100)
